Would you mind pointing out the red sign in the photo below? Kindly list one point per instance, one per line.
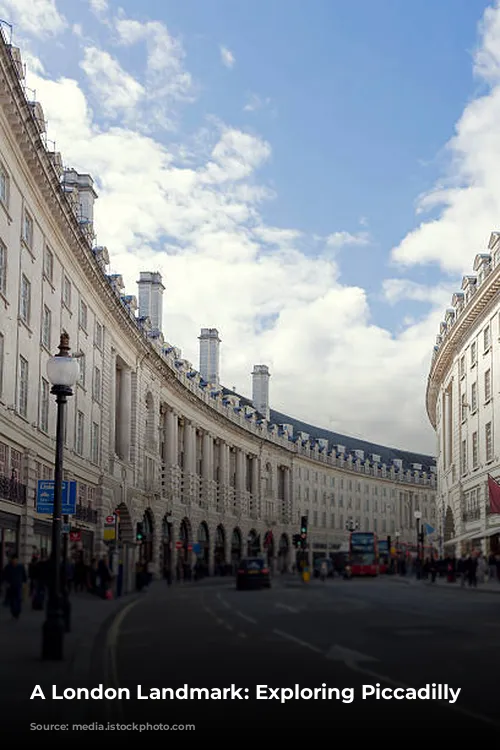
(178, 545)
(75, 536)
(190, 547)
(110, 520)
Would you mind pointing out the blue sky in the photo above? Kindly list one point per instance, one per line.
(342, 114)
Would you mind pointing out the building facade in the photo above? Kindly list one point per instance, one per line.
(463, 406)
(206, 473)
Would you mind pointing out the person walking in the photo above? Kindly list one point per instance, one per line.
(14, 575)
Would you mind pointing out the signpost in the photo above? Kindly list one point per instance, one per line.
(110, 528)
(178, 545)
(75, 536)
(45, 497)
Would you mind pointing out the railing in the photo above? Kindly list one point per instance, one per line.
(12, 490)
(86, 514)
(474, 514)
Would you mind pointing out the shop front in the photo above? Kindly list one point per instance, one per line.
(9, 536)
(42, 542)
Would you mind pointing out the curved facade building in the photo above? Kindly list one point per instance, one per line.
(203, 471)
(463, 403)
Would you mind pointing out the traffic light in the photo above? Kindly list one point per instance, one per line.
(303, 526)
(139, 532)
(297, 540)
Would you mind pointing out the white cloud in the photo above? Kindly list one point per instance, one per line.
(38, 18)
(400, 290)
(99, 7)
(227, 57)
(338, 240)
(116, 89)
(256, 102)
(468, 198)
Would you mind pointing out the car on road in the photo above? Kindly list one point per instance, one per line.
(253, 573)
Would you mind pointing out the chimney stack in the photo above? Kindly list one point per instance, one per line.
(209, 355)
(151, 299)
(260, 389)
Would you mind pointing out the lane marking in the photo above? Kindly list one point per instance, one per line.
(347, 655)
(246, 617)
(298, 641)
(287, 607)
(111, 661)
(223, 601)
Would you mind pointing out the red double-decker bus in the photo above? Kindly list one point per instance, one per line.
(363, 553)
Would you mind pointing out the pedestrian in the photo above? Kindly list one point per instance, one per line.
(15, 577)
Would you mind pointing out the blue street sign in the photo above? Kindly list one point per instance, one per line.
(45, 497)
(196, 548)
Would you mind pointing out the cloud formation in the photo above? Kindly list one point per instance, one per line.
(196, 214)
(227, 57)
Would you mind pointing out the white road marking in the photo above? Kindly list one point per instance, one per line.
(346, 655)
(247, 618)
(298, 641)
(287, 607)
(223, 602)
(111, 665)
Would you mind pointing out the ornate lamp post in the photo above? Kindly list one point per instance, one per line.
(62, 371)
(418, 516)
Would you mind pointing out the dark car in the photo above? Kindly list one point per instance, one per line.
(253, 573)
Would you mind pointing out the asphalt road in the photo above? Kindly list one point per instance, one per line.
(343, 633)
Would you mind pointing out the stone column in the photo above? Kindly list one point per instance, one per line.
(255, 481)
(125, 409)
(206, 457)
(223, 463)
(189, 448)
(171, 438)
(112, 404)
(240, 470)
(286, 496)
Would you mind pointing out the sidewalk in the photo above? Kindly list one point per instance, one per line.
(489, 587)
(21, 666)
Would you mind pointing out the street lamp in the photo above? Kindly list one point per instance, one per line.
(417, 515)
(62, 371)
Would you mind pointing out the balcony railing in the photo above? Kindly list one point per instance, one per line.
(474, 514)
(89, 515)
(11, 489)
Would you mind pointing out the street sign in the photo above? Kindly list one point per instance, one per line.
(178, 545)
(65, 529)
(110, 520)
(45, 497)
(196, 548)
(75, 536)
(190, 547)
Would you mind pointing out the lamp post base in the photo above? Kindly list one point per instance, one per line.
(53, 633)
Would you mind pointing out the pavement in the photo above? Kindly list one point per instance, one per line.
(340, 634)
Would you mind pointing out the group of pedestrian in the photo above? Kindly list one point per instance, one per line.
(76, 576)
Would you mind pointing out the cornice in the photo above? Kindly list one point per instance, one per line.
(477, 308)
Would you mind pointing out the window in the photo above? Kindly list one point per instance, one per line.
(83, 374)
(487, 385)
(67, 292)
(3, 268)
(475, 457)
(462, 366)
(95, 442)
(28, 230)
(44, 405)
(488, 438)
(23, 386)
(80, 426)
(96, 387)
(99, 337)
(487, 338)
(25, 300)
(4, 185)
(473, 397)
(463, 407)
(48, 264)
(83, 315)
(473, 354)
(1, 361)
(463, 457)
(46, 327)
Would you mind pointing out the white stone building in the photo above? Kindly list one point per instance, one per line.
(463, 406)
(148, 436)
